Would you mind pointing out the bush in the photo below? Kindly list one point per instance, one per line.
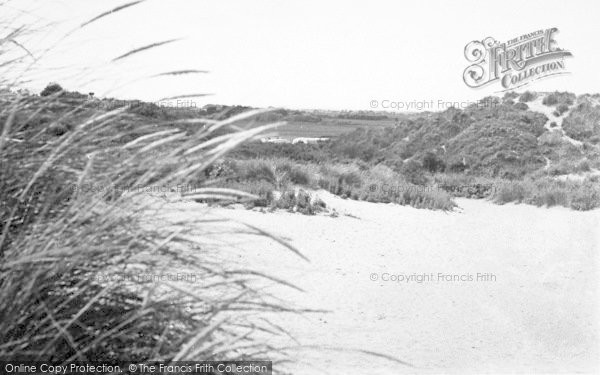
(350, 178)
(413, 173)
(549, 192)
(550, 138)
(303, 203)
(527, 96)
(294, 173)
(550, 100)
(299, 201)
(562, 98)
(511, 191)
(58, 128)
(521, 106)
(52, 88)
(555, 197)
(587, 197)
(432, 163)
(583, 123)
(258, 170)
(510, 95)
(561, 168)
(300, 177)
(562, 108)
(583, 166)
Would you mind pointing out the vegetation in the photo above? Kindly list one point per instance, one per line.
(559, 98)
(549, 192)
(71, 257)
(504, 142)
(470, 152)
(583, 122)
(527, 96)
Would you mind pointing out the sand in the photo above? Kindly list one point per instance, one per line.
(510, 288)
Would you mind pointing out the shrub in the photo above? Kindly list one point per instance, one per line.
(303, 203)
(58, 128)
(562, 108)
(257, 170)
(561, 168)
(413, 173)
(300, 177)
(511, 191)
(562, 98)
(52, 88)
(521, 106)
(510, 95)
(555, 197)
(550, 99)
(587, 197)
(294, 173)
(299, 201)
(550, 192)
(583, 166)
(550, 138)
(583, 123)
(432, 163)
(527, 96)
(350, 178)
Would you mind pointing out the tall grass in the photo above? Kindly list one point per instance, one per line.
(71, 256)
(287, 178)
(581, 196)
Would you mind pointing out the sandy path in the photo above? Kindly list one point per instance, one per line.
(540, 314)
(537, 106)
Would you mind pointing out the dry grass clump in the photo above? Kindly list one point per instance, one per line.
(586, 197)
(77, 251)
(567, 166)
(274, 182)
(550, 192)
(73, 246)
(277, 181)
(299, 200)
(382, 184)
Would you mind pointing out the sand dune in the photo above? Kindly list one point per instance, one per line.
(532, 309)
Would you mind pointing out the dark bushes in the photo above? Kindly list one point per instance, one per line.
(52, 88)
(527, 96)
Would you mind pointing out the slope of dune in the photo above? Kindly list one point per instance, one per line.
(486, 288)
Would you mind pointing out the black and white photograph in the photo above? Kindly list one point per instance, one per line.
(299, 187)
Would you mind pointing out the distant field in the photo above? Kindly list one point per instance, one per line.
(328, 127)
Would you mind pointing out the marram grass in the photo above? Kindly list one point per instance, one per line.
(71, 257)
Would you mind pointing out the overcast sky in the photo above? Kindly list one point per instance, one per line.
(300, 54)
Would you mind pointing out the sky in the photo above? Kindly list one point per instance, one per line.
(341, 55)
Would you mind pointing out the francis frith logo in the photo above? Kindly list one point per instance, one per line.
(514, 63)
